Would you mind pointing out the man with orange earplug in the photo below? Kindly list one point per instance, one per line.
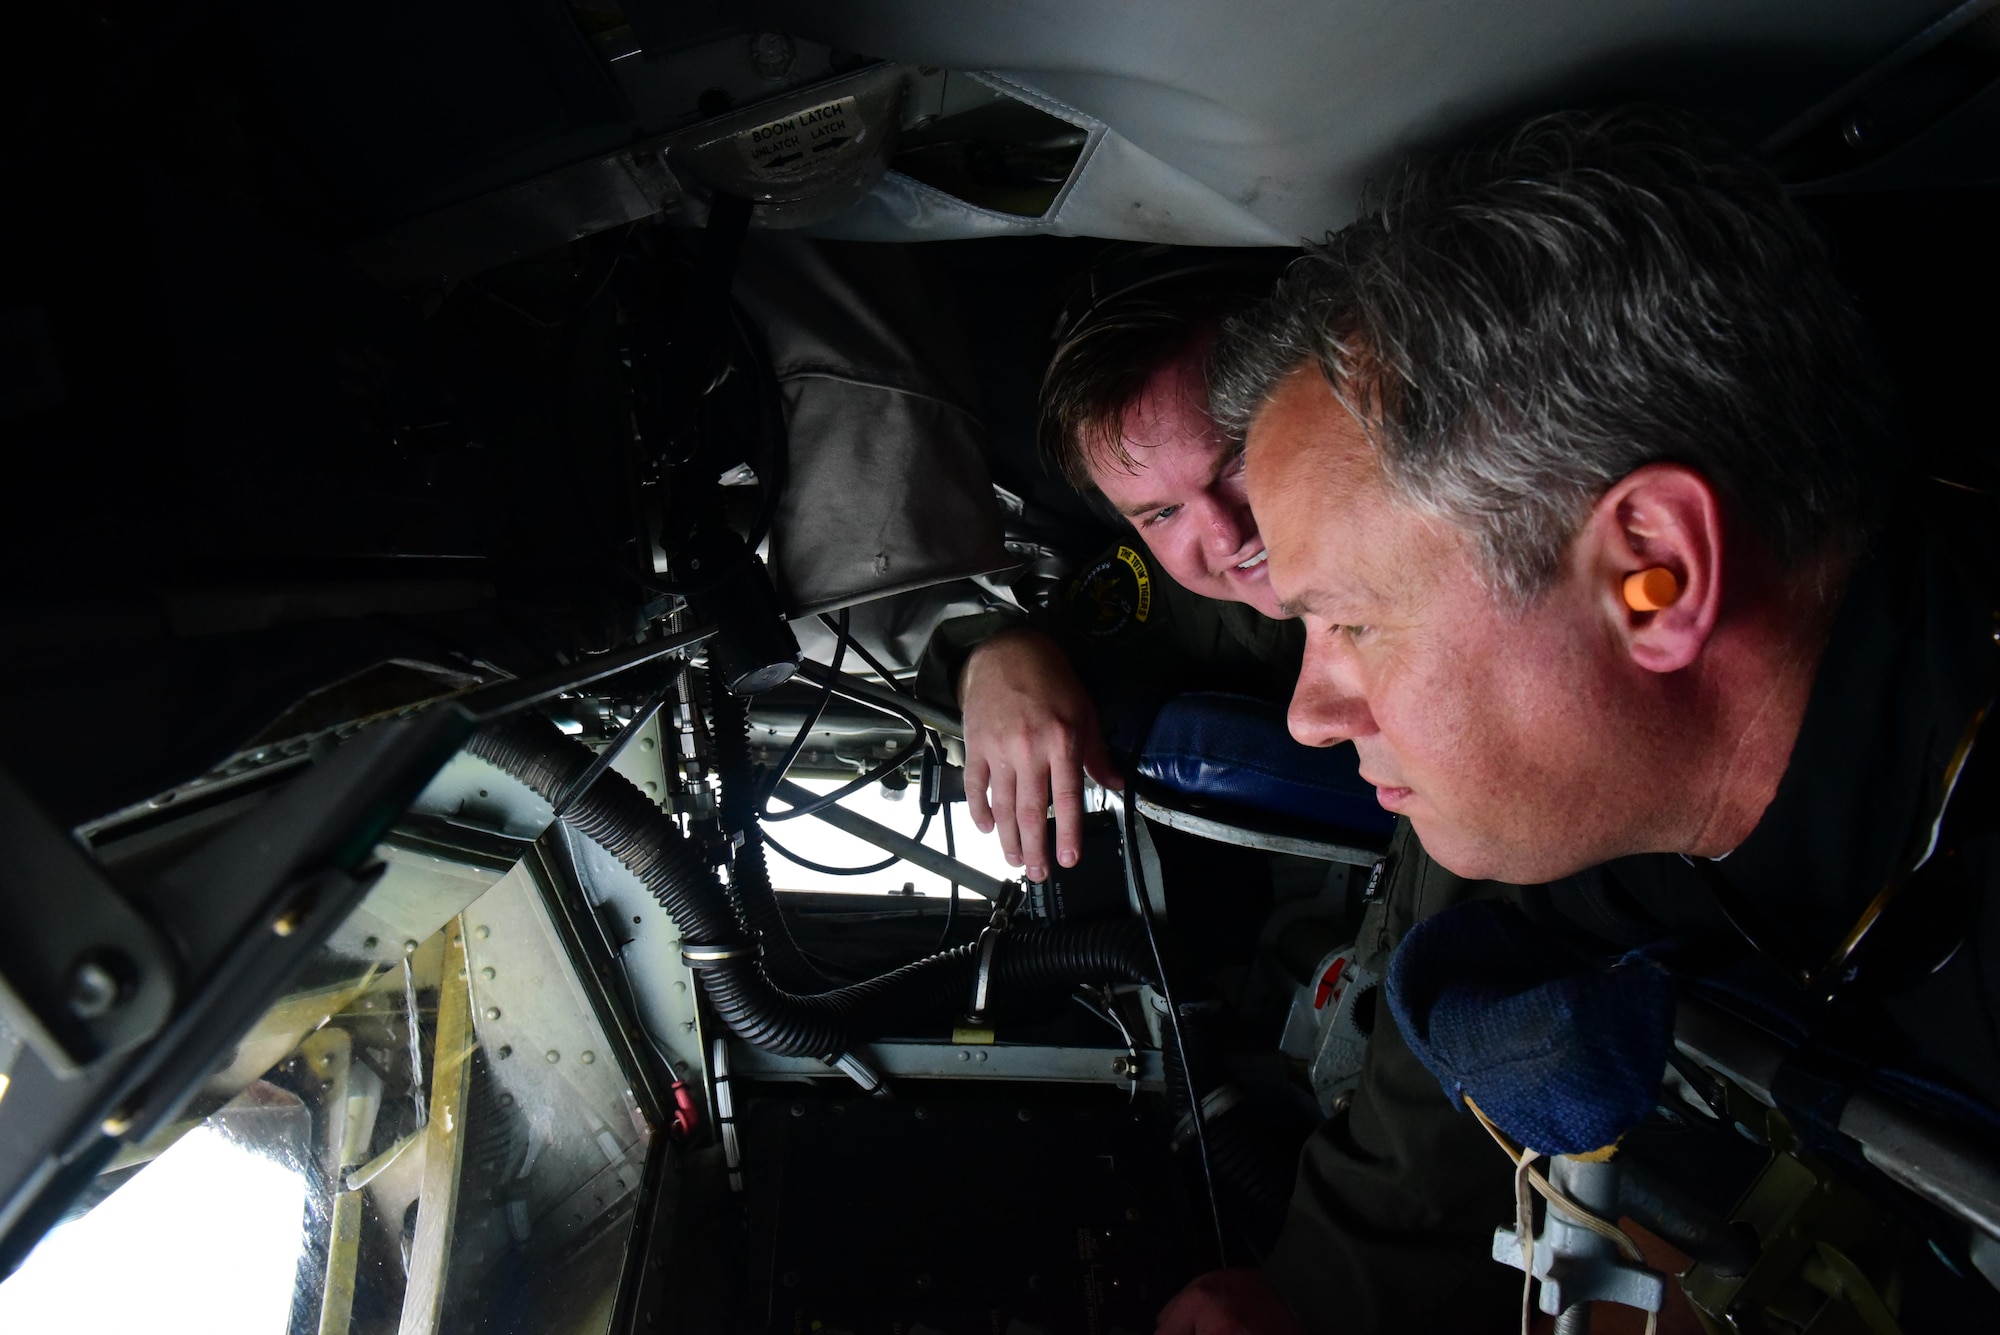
(1573, 457)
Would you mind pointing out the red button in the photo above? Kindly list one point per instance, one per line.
(1324, 993)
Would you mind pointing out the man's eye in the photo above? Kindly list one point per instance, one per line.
(1351, 632)
(1161, 516)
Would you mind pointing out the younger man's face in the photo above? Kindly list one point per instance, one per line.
(1184, 490)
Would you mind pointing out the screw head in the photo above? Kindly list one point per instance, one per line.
(94, 990)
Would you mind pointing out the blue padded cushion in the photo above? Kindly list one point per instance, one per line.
(1564, 1057)
(1237, 749)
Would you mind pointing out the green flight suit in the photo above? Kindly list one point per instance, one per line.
(1392, 1215)
(1133, 633)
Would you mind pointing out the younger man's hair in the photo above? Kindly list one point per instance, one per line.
(1108, 349)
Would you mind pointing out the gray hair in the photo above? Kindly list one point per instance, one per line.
(1520, 325)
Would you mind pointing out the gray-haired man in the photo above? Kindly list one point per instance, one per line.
(1573, 458)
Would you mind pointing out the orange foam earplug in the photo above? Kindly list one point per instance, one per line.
(1651, 589)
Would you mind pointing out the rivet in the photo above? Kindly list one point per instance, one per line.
(552, 1055)
(370, 942)
(505, 1052)
(587, 1057)
(487, 973)
(964, 1056)
(482, 932)
(293, 916)
(492, 1012)
(409, 947)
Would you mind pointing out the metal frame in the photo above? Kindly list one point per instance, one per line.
(245, 912)
(1231, 832)
(1033, 1062)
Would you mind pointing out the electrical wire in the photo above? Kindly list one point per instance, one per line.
(951, 911)
(825, 800)
(923, 828)
(920, 738)
(888, 677)
(1107, 1011)
(812, 721)
(1136, 875)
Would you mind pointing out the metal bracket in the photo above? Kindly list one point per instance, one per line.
(989, 940)
(82, 974)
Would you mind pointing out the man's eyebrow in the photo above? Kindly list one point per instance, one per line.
(1303, 603)
(1362, 598)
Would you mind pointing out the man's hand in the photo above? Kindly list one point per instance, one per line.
(1228, 1302)
(1031, 734)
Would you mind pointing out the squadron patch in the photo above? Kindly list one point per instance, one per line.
(1112, 595)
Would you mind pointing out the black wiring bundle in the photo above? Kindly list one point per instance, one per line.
(1034, 969)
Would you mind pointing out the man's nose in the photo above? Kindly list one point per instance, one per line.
(1228, 524)
(1326, 711)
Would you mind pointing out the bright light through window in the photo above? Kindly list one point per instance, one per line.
(203, 1240)
(822, 843)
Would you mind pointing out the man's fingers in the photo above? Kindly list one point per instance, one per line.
(1066, 791)
(976, 772)
(1003, 814)
(1031, 810)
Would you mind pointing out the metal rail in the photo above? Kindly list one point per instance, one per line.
(889, 841)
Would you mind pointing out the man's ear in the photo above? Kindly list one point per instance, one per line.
(1662, 516)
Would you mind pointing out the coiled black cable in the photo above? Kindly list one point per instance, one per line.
(750, 874)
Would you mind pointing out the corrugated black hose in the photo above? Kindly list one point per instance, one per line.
(1032, 967)
(1254, 1162)
(750, 876)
